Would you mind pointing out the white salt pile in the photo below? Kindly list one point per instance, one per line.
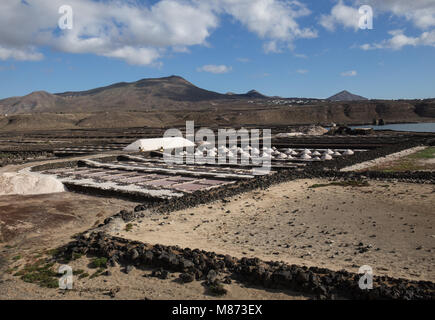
(27, 183)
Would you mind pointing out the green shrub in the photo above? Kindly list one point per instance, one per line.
(76, 256)
(99, 263)
(40, 273)
(217, 289)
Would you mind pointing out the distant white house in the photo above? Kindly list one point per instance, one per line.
(145, 145)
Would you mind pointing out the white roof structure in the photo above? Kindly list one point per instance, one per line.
(159, 143)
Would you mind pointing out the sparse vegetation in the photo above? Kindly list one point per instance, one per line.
(12, 270)
(97, 273)
(52, 252)
(41, 272)
(428, 153)
(414, 162)
(100, 263)
(76, 256)
(78, 272)
(349, 183)
(217, 289)
(128, 227)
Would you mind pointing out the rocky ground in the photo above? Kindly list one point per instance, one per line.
(291, 217)
(31, 226)
(389, 226)
(304, 222)
(138, 284)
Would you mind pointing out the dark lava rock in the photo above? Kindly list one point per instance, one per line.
(128, 269)
(201, 265)
(302, 277)
(127, 216)
(211, 276)
(187, 277)
(227, 280)
(160, 273)
(112, 292)
(134, 254)
(186, 264)
(217, 288)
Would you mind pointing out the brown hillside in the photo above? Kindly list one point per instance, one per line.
(171, 101)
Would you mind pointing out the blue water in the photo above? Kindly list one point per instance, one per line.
(411, 127)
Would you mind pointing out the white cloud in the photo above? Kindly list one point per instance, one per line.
(273, 20)
(28, 54)
(137, 56)
(420, 12)
(216, 69)
(244, 60)
(351, 73)
(181, 49)
(123, 30)
(341, 14)
(271, 47)
(302, 71)
(136, 32)
(400, 40)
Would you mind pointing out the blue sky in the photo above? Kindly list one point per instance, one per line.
(317, 47)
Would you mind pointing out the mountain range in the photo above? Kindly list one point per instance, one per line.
(171, 101)
(167, 93)
(146, 94)
(346, 96)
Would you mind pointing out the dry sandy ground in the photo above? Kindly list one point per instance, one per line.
(37, 223)
(27, 220)
(137, 285)
(311, 226)
(31, 225)
(289, 222)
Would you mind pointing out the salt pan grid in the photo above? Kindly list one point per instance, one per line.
(152, 176)
(146, 182)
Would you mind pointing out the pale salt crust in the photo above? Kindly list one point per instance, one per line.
(159, 170)
(135, 159)
(378, 161)
(25, 182)
(162, 193)
(113, 186)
